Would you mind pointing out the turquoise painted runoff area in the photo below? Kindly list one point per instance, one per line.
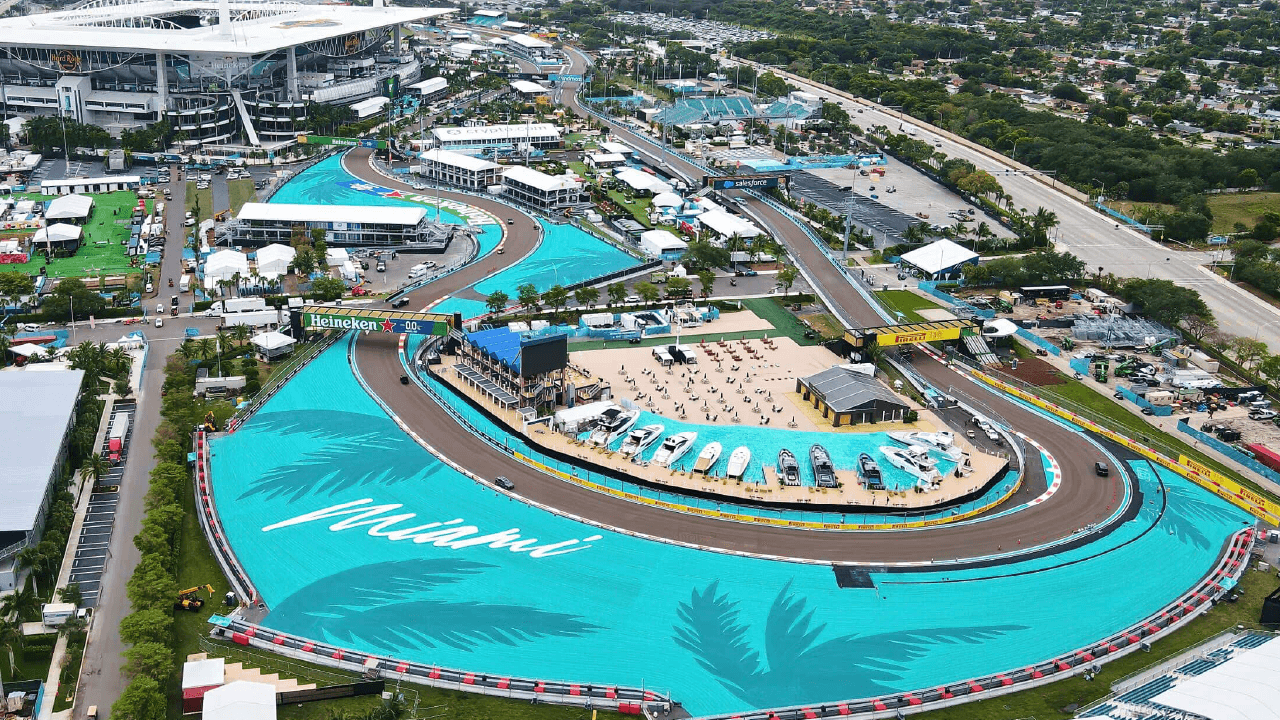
(765, 442)
(566, 255)
(721, 632)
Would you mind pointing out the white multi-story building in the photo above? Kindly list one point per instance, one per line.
(221, 71)
(535, 136)
(530, 48)
(451, 168)
(344, 225)
(539, 190)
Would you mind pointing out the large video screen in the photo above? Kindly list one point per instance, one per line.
(543, 355)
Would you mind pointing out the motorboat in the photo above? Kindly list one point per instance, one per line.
(788, 468)
(640, 439)
(824, 473)
(738, 461)
(708, 458)
(870, 472)
(674, 448)
(942, 441)
(613, 424)
(915, 460)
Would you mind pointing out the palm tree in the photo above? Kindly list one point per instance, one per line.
(119, 359)
(95, 466)
(21, 603)
(223, 341)
(11, 635)
(205, 347)
(241, 333)
(188, 348)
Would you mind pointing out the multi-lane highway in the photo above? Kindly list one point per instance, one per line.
(1093, 237)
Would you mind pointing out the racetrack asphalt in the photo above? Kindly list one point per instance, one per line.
(1082, 500)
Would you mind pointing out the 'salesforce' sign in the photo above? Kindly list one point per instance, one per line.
(454, 534)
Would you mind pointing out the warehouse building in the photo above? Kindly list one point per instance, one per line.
(848, 397)
(350, 225)
(38, 412)
(451, 168)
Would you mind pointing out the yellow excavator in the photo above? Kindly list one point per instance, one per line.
(190, 599)
(210, 424)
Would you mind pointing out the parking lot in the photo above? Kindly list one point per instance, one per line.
(92, 549)
(885, 223)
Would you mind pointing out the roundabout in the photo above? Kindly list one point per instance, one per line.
(361, 515)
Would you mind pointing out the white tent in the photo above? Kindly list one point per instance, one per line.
(726, 225)
(69, 207)
(273, 260)
(641, 181)
(209, 672)
(999, 328)
(336, 256)
(29, 350)
(667, 199)
(57, 233)
(241, 700)
(656, 243)
(942, 257)
(223, 265)
(273, 344)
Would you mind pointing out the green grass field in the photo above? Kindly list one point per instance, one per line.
(638, 207)
(103, 250)
(202, 197)
(1047, 703)
(907, 303)
(239, 192)
(1228, 208)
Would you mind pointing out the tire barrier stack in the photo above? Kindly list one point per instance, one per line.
(626, 700)
(212, 524)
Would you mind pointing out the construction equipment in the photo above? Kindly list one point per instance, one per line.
(210, 423)
(1126, 367)
(1068, 343)
(190, 599)
(1100, 369)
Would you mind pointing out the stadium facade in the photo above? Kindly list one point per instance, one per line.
(222, 71)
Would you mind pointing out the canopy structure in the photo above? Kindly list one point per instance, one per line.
(241, 700)
(69, 207)
(727, 225)
(224, 265)
(999, 328)
(657, 243)
(1242, 688)
(667, 199)
(274, 260)
(57, 234)
(642, 181)
(940, 259)
(27, 350)
(272, 341)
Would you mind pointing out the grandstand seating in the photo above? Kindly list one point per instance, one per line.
(1143, 693)
(687, 111)
(1252, 640)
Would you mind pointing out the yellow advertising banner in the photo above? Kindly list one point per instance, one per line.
(909, 338)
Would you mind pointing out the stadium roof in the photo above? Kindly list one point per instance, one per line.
(286, 212)
(845, 389)
(501, 344)
(491, 133)
(36, 408)
(284, 24)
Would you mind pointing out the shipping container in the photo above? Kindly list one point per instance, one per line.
(1264, 455)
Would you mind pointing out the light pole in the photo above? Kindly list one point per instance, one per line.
(1102, 196)
(1258, 330)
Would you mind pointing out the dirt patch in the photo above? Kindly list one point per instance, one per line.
(1036, 372)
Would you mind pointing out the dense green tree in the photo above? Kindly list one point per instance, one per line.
(328, 289)
(1164, 301)
(143, 699)
(496, 302)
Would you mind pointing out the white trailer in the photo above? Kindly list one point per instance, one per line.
(256, 319)
(55, 614)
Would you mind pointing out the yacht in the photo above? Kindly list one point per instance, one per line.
(738, 461)
(613, 424)
(915, 460)
(941, 441)
(674, 448)
(639, 440)
(708, 458)
(788, 468)
(870, 472)
(824, 473)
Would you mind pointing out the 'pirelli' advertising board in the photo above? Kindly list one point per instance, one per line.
(396, 326)
(920, 336)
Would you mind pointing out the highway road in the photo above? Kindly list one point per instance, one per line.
(1086, 232)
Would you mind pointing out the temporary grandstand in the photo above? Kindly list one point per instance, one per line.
(1230, 677)
(695, 111)
(1120, 331)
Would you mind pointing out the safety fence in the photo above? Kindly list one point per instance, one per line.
(281, 376)
(1122, 217)
(211, 524)
(930, 287)
(1214, 482)
(626, 700)
(1229, 451)
(1136, 399)
(1039, 342)
(1198, 600)
(296, 170)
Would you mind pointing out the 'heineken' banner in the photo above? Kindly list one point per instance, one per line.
(325, 321)
(345, 142)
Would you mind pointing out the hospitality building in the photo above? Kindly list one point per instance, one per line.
(451, 168)
(541, 191)
(477, 139)
(351, 225)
